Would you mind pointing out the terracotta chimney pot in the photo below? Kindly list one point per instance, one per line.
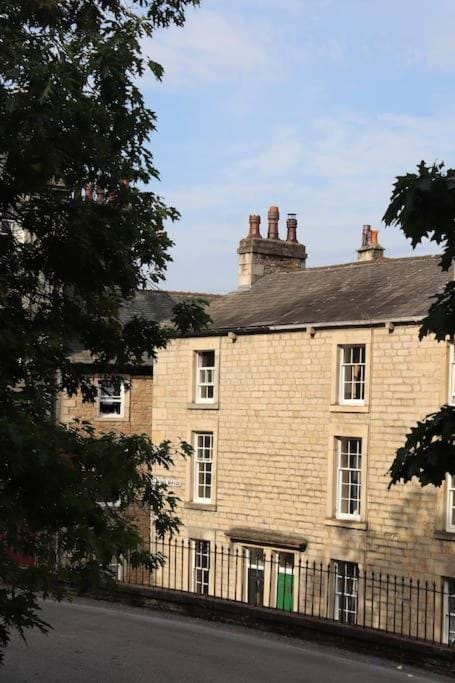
(89, 192)
(273, 218)
(255, 222)
(366, 235)
(291, 225)
(100, 196)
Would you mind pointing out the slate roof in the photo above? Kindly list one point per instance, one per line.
(151, 304)
(157, 305)
(383, 290)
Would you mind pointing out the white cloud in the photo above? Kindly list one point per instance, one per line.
(360, 146)
(276, 158)
(209, 49)
(339, 178)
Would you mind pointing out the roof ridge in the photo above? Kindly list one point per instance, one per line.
(356, 264)
(176, 291)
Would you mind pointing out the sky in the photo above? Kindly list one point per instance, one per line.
(311, 105)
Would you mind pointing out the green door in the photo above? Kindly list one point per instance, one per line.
(285, 582)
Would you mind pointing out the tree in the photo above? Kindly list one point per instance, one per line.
(423, 206)
(78, 237)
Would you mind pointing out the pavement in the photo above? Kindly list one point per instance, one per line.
(106, 643)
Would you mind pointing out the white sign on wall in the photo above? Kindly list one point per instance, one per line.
(170, 481)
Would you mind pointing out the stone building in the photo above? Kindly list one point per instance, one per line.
(295, 402)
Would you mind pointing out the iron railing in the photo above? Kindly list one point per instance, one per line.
(339, 591)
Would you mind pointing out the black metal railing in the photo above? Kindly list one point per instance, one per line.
(339, 591)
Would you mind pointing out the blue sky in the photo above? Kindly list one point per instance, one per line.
(313, 105)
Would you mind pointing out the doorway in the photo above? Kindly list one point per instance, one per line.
(255, 577)
(285, 582)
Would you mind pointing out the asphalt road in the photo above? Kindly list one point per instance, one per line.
(100, 643)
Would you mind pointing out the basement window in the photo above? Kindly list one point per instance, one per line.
(346, 592)
(449, 611)
(201, 566)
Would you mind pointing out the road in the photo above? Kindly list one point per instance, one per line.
(105, 643)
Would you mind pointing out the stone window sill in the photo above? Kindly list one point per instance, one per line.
(99, 418)
(209, 507)
(346, 523)
(202, 406)
(347, 408)
(442, 535)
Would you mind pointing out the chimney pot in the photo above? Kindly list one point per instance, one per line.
(273, 218)
(291, 225)
(255, 222)
(100, 195)
(366, 234)
(89, 192)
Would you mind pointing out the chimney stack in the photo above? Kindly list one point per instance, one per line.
(259, 257)
(370, 250)
(273, 216)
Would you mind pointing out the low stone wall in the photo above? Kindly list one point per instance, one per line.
(436, 658)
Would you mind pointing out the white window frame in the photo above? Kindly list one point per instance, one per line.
(342, 375)
(203, 465)
(449, 617)
(117, 569)
(110, 504)
(451, 396)
(201, 377)
(118, 399)
(450, 502)
(342, 444)
(345, 572)
(201, 551)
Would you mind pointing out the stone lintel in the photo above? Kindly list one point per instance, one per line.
(265, 537)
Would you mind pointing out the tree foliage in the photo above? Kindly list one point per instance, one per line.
(78, 238)
(423, 206)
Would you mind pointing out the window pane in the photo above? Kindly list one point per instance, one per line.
(110, 397)
(352, 373)
(205, 376)
(203, 457)
(110, 407)
(349, 477)
(256, 558)
(110, 389)
(206, 359)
